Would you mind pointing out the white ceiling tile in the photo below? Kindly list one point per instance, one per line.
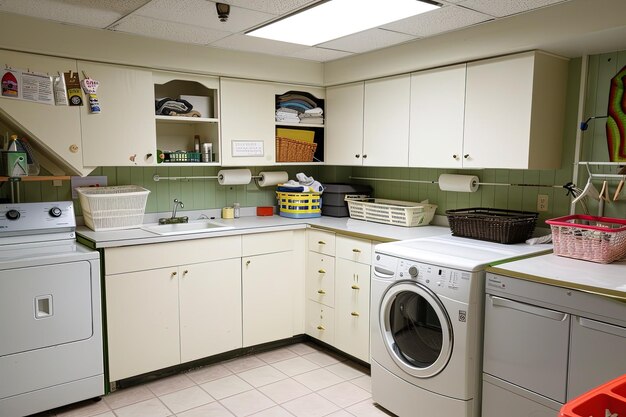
(276, 7)
(170, 31)
(91, 13)
(203, 13)
(319, 54)
(252, 44)
(368, 40)
(499, 8)
(437, 21)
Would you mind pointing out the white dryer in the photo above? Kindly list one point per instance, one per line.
(426, 323)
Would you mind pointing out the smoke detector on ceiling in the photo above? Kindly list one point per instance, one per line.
(223, 10)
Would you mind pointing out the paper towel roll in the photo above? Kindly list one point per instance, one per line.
(460, 183)
(272, 178)
(234, 176)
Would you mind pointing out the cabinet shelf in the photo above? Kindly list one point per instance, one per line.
(299, 125)
(36, 178)
(184, 120)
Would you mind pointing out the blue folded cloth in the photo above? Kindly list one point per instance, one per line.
(289, 189)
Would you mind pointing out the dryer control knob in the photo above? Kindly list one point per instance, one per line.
(12, 215)
(55, 212)
(413, 271)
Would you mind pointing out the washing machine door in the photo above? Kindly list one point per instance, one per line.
(416, 329)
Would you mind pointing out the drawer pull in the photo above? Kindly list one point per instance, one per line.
(320, 327)
(321, 292)
(321, 242)
(527, 308)
(355, 314)
(185, 272)
(355, 287)
(174, 273)
(602, 327)
(356, 250)
(322, 271)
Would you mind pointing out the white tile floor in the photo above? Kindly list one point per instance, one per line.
(301, 380)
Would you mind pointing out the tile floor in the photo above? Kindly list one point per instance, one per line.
(301, 380)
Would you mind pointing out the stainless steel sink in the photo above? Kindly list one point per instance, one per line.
(183, 228)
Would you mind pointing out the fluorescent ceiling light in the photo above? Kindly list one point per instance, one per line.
(336, 18)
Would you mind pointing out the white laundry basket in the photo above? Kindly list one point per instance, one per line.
(113, 208)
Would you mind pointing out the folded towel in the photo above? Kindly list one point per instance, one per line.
(286, 110)
(316, 111)
(298, 189)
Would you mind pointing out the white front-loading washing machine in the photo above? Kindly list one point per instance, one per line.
(426, 323)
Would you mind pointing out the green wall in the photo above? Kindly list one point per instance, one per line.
(205, 194)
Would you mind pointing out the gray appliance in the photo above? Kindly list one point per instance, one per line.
(545, 345)
(50, 317)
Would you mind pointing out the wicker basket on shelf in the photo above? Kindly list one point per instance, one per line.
(289, 150)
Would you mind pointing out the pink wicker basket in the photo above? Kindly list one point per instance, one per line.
(600, 239)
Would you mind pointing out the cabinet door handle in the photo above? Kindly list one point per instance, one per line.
(357, 156)
(320, 327)
(527, 308)
(185, 272)
(354, 314)
(321, 242)
(321, 292)
(364, 156)
(322, 271)
(356, 250)
(602, 327)
(247, 263)
(355, 287)
(455, 156)
(174, 273)
(466, 156)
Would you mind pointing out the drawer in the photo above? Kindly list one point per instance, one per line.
(353, 249)
(271, 242)
(321, 241)
(160, 255)
(320, 278)
(320, 322)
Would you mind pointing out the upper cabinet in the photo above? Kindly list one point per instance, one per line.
(247, 122)
(191, 137)
(55, 130)
(368, 123)
(123, 133)
(437, 115)
(250, 126)
(344, 124)
(514, 112)
(386, 122)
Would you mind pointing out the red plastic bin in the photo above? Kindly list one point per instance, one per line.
(607, 399)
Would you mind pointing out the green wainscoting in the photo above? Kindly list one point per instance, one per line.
(206, 194)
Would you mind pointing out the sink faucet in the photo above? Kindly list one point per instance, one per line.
(176, 204)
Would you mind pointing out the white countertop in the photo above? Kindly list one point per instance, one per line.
(604, 279)
(260, 224)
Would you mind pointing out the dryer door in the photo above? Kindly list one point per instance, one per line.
(416, 329)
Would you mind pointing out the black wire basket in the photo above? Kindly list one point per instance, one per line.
(493, 225)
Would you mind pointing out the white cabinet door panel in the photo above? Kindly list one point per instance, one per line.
(247, 115)
(498, 112)
(142, 324)
(437, 113)
(210, 308)
(344, 125)
(124, 133)
(386, 122)
(267, 282)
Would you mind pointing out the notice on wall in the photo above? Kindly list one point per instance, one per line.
(247, 148)
(29, 86)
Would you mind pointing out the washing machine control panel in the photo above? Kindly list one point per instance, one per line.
(445, 281)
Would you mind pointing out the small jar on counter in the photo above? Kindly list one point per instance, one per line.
(236, 208)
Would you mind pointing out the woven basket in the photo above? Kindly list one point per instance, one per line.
(603, 240)
(289, 150)
(493, 225)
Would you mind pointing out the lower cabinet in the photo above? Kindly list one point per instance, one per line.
(164, 317)
(142, 322)
(267, 298)
(210, 308)
(338, 292)
(352, 308)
